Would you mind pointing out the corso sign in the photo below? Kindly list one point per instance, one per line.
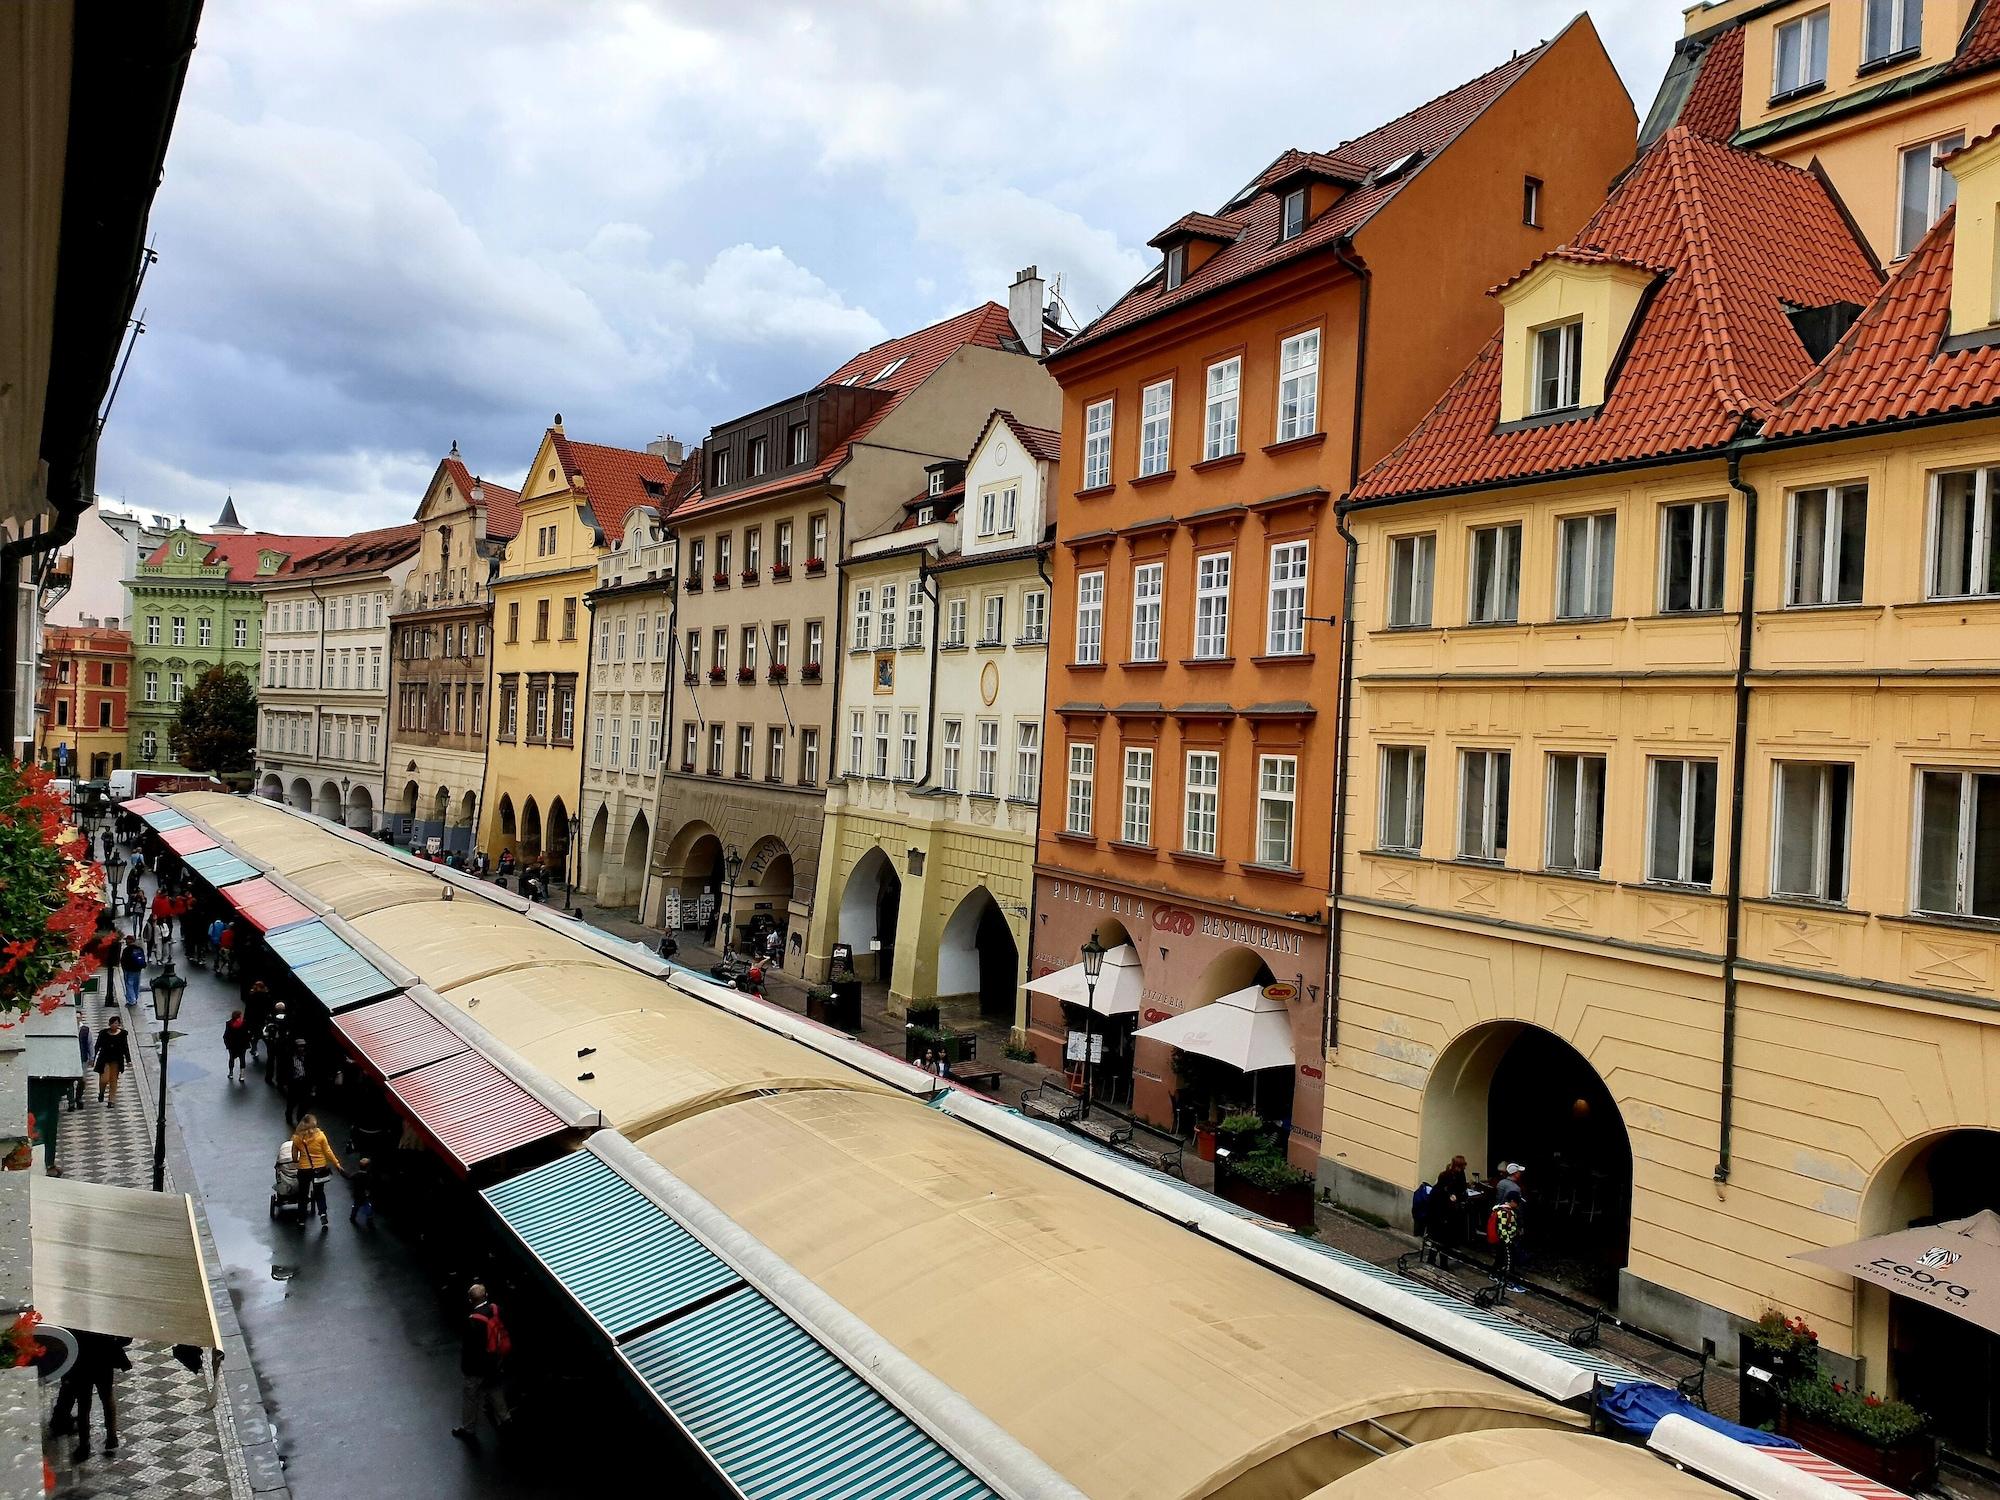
(1174, 919)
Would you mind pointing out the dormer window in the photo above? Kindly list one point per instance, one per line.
(1798, 55)
(1894, 28)
(759, 456)
(937, 483)
(1559, 367)
(719, 469)
(1176, 266)
(180, 549)
(1295, 214)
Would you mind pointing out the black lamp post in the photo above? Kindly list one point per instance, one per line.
(569, 865)
(167, 988)
(1093, 965)
(732, 866)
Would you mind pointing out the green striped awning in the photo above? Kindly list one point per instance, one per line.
(219, 867)
(335, 975)
(777, 1413)
(163, 819)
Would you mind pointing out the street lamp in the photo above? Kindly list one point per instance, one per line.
(732, 866)
(167, 988)
(569, 864)
(1093, 965)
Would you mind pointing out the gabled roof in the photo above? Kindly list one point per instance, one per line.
(363, 552)
(1256, 214)
(1197, 226)
(1578, 255)
(1044, 443)
(1333, 166)
(1746, 239)
(503, 506)
(1979, 43)
(613, 479)
(686, 485)
(916, 357)
(238, 551)
(1892, 365)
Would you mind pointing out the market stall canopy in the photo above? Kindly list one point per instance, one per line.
(330, 969)
(472, 1112)
(1248, 1030)
(1119, 984)
(1519, 1464)
(1954, 1266)
(119, 1261)
(50, 1038)
(219, 867)
(396, 1036)
(138, 807)
(162, 819)
(187, 840)
(264, 905)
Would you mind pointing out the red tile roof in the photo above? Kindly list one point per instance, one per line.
(987, 326)
(503, 506)
(239, 552)
(1044, 443)
(363, 552)
(1714, 106)
(1197, 226)
(1335, 166)
(1428, 129)
(1891, 366)
(1746, 237)
(1578, 255)
(613, 480)
(1979, 44)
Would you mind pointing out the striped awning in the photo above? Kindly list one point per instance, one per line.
(471, 1112)
(138, 807)
(219, 867)
(330, 969)
(187, 840)
(162, 820)
(265, 906)
(778, 1414)
(396, 1036)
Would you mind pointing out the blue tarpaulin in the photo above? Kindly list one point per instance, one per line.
(1638, 1405)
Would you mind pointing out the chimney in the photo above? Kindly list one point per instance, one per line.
(668, 448)
(1024, 307)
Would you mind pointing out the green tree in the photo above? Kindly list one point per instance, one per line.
(215, 728)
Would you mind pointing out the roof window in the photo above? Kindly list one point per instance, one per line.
(1295, 215)
(890, 368)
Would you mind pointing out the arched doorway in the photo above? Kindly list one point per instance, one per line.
(638, 843)
(1206, 1088)
(531, 830)
(327, 804)
(440, 814)
(692, 871)
(977, 956)
(273, 787)
(868, 909)
(1507, 1091)
(302, 794)
(510, 831)
(360, 808)
(593, 856)
(1942, 1365)
(764, 895)
(555, 837)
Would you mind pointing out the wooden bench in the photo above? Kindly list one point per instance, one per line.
(1106, 1130)
(1050, 1101)
(987, 1080)
(1160, 1153)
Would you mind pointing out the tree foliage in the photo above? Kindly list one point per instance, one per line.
(50, 894)
(215, 728)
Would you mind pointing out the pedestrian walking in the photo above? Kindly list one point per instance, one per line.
(298, 1082)
(132, 964)
(112, 1058)
(83, 1056)
(236, 1038)
(361, 1181)
(313, 1155)
(225, 952)
(277, 1041)
(484, 1345)
(99, 1358)
(257, 1011)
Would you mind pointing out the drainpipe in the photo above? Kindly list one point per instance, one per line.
(1739, 753)
(1330, 1025)
(573, 853)
(320, 675)
(927, 581)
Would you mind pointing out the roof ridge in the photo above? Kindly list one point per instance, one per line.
(1438, 98)
(1718, 349)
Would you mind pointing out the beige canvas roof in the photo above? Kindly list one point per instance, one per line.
(119, 1261)
(1137, 1359)
(355, 886)
(450, 942)
(1520, 1465)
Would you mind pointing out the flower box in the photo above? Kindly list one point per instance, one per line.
(781, 570)
(1909, 1465)
(815, 565)
(779, 672)
(810, 672)
(746, 674)
(716, 674)
(694, 584)
(1287, 1205)
(691, 678)
(720, 580)
(749, 575)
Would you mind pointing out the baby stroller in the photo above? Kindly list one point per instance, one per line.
(288, 1198)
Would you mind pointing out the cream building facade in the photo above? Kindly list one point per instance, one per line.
(930, 825)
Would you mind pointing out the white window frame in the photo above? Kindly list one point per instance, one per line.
(1285, 632)
(1201, 802)
(1708, 550)
(1090, 618)
(1149, 585)
(1939, 187)
(864, 618)
(1982, 537)
(809, 756)
(1559, 388)
(1223, 409)
(1097, 424)
(1688, 773)
(909, 761)
(1028, 760)
(1156, 428)
(1802, 589)
(993, 620)
(1570, 851)
(1034, 617)
(1298, 386)
(1176, 266)
(857, 743)
(774, 753)
(1278, 796)
(1211, 605)
(1592, 596)
(1493, 809)
(1400, 830)
(1966, 852)
(1292, 215)
(881, 771)
(986, 759)
(1887, 27)
(1412, 591)
(1136, 806)
(1080, 803)
(954, 620)
(1810, 71)
(954, 747)
(1504, 587)
(1825, 815)
(241, 633)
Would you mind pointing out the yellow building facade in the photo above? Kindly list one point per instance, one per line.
(1714, 1048)
(575, 496)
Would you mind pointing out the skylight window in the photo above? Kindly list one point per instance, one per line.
(1398, 167)
(890, 368)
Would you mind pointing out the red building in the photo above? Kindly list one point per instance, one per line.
(80, 708)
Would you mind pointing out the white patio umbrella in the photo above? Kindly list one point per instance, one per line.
(1247, 1029)
(1119, 985)
(1954, 1265)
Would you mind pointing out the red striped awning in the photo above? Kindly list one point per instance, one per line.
(140, 805)
(396, 1036)
(471, 1111)
(189, 840)
(1829, 1472)
(264, 906)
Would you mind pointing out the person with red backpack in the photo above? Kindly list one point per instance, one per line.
(484, 1345)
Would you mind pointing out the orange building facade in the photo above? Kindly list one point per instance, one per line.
(1210, 419)
(80, 710)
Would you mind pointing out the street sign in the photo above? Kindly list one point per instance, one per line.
(1073, 1047)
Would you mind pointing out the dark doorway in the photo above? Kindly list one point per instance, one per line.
(1945, 1366)
(999, 965)
(1548, 1110)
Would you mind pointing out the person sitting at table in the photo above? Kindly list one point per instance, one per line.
(1444, 1218)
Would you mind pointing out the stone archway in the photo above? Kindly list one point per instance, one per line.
(531, 830)
(869, 906)
(272, 787)
(360, 808)
(638, 843)
(594, 873)
(555, 838)
(978, 958)
(327, 804)
(301, 795)
(1508, 1091)
(691, 872)
(509, 825)
(764, 893)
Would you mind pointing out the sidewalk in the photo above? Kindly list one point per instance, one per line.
(175, 1444)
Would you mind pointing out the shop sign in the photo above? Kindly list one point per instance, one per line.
(1174, 919)
(1254, 935)
(1284, 992)
(1309, 1071)
(1098, 899)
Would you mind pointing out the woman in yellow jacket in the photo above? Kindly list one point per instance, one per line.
(313, 1155)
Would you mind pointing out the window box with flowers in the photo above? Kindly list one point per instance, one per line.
(779, 672)
(691, 678)
(815, 565)
(717, 674)
(810, 671)
(1777, 1351)
(720, 580)
(749, 575)
(780, 570)
(746, 674)
(694, 583)
(1886, 1440)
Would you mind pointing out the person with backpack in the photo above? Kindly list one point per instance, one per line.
(236, 1039)
(132, 964)
(483, 1347)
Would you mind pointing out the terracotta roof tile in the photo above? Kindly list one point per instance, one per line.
(1979, 44)
(1579, 255)
(239, 552)
(614, 479)
(1746, 237)
(1044, 443)
(1333, 165)
(1714, 105)
(1197, 226)
(363, 552)
(503, 506)
(1891, 365)
(915, 356)
(1427, 129)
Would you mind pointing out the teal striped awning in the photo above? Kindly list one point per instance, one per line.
(163, 819)
(218, 866)
(334, 974)
(777, 1413)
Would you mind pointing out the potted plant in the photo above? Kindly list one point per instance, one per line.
(717, 674)
(1886, 1440)
(694, 583)
(811, 671)
(746, 674)
(815, 565)
(1239, 1132)
(1268, 1185)
(1777, 1351)
(779, 671)
(925, 1016)
(721, 580)
(749, 575)
(781, 570)
(1204, 1140)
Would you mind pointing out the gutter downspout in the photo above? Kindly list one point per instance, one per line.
(1739, 753)
(320, 675)
(573, 836)
(1343, 733)
(927, 581)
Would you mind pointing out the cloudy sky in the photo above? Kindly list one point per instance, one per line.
(389, 224)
